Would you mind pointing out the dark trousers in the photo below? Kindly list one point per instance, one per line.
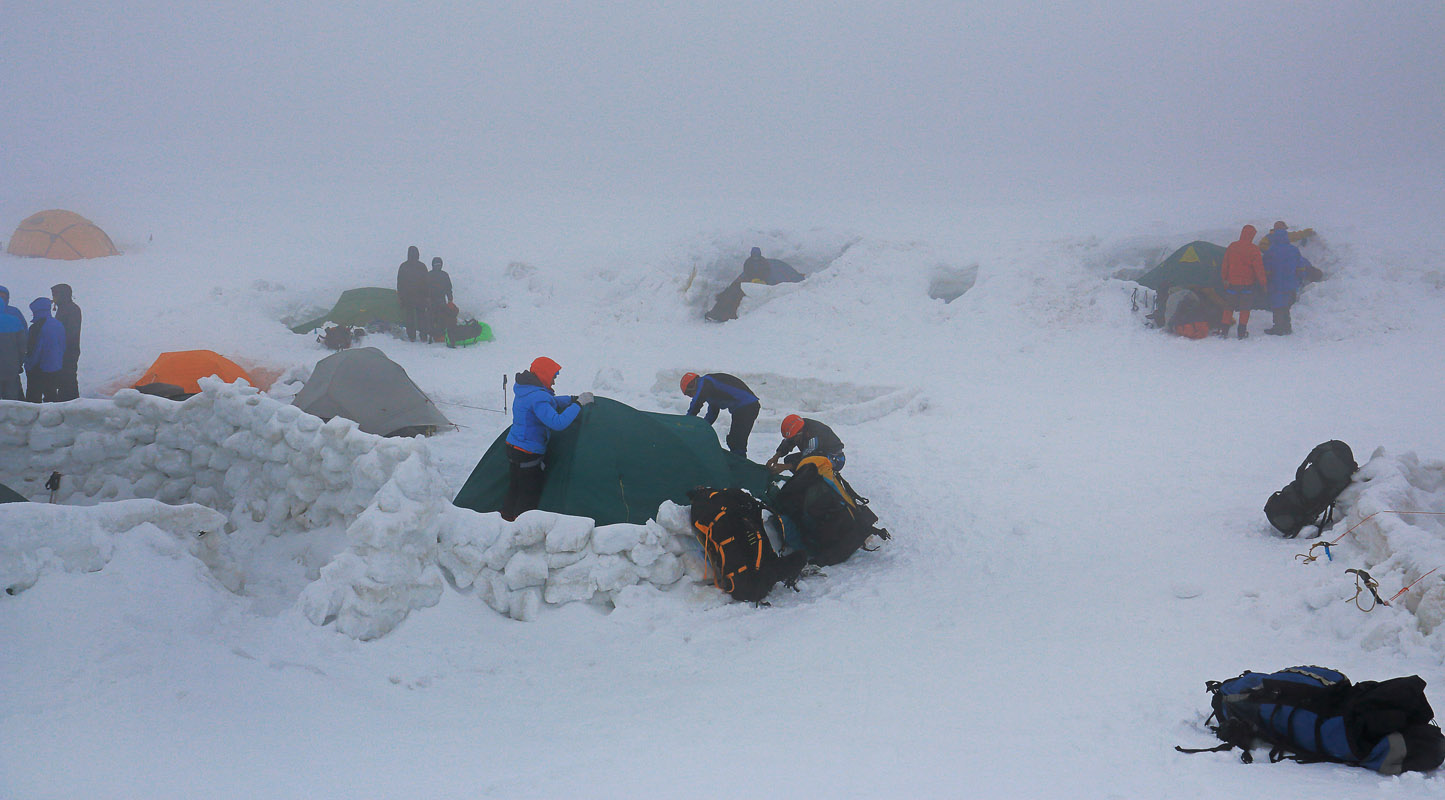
(414, 318)
(524, 491)
(742, 427)
(42, 387)
(11, 388)
(68, 382)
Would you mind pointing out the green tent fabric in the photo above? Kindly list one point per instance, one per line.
(8, 495)
(618, 464)
(1195, 265)
(359, 307)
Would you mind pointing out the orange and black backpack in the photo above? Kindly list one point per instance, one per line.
(729, 525)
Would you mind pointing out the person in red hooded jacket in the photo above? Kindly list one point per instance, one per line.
(1243, 273)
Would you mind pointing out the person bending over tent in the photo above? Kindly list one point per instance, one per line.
(411, 291)
(719, 391)
(1243, 274)
(1284, 267)
(45, 347)
(536, 412)
(810, 438)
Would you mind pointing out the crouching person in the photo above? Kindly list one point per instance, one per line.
(823, 514)
(536, 413)
(728, 523)
(810, 438)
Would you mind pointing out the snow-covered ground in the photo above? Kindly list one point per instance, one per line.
(1075, 501)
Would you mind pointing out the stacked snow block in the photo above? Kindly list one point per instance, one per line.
(545, 559)
(265, 465)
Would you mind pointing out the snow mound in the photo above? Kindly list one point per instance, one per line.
(1397, 548)
(40, 538)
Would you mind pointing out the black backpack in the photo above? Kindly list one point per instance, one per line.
(729, 525)
(1310, 714)
(1310, 497)
(834, 521)
(336, 337)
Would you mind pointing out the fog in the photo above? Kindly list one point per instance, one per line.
(869, 102)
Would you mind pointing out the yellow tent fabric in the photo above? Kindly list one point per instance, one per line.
(60, 234)
(186, 367)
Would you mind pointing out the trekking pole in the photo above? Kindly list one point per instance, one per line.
(504, 392)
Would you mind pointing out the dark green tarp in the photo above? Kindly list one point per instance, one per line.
(8, 495)
(359, 308)
(1195, 265)
(618, 464)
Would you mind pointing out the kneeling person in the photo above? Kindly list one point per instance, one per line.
(810, 438)
(536, 413)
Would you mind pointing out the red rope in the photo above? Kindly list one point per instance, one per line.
(1377, 513)
(1407, 588)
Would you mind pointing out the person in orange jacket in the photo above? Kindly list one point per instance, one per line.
(1243, 273)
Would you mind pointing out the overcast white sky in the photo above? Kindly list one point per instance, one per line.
(930, 99)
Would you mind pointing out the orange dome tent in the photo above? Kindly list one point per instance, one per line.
(185, 368)
(60, 234)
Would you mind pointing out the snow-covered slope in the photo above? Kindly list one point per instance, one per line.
(1075, 501)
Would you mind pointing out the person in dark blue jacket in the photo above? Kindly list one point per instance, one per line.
(719, 391)
(45, 356)
(810, 438)
(536, 413)
(13, 342)
(1283, 265)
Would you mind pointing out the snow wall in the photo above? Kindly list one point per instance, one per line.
(1397, 549)
(370, 517)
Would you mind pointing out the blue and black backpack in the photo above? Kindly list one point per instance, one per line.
(1310, 714)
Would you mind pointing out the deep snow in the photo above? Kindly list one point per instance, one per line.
(1075, 500)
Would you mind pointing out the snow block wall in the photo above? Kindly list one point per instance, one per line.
(262, 463)
(1397, 549)
(272, 471)
(544, 558)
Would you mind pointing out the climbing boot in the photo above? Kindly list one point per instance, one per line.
(1243, 334)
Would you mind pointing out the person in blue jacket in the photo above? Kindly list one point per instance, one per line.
(719, 391)
(1283, 264)
(12, 348)
(536, 412)
(45, 356)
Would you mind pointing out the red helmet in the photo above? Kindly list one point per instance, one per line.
(687, 380)
(545, 369)
(792, 426)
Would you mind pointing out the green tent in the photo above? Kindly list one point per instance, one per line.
(359, 307)
(618, 464)
(8, 495)
(1194, 265)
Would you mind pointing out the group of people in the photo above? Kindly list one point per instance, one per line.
(47, 350)
(1247, 271)
(537, 412)
(427, 305)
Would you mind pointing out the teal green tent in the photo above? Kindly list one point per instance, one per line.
(618, 464)
(1194, 265)
(8, 495)
(359, 308)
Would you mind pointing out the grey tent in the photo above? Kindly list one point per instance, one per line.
(365, 386)
(8, 495)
